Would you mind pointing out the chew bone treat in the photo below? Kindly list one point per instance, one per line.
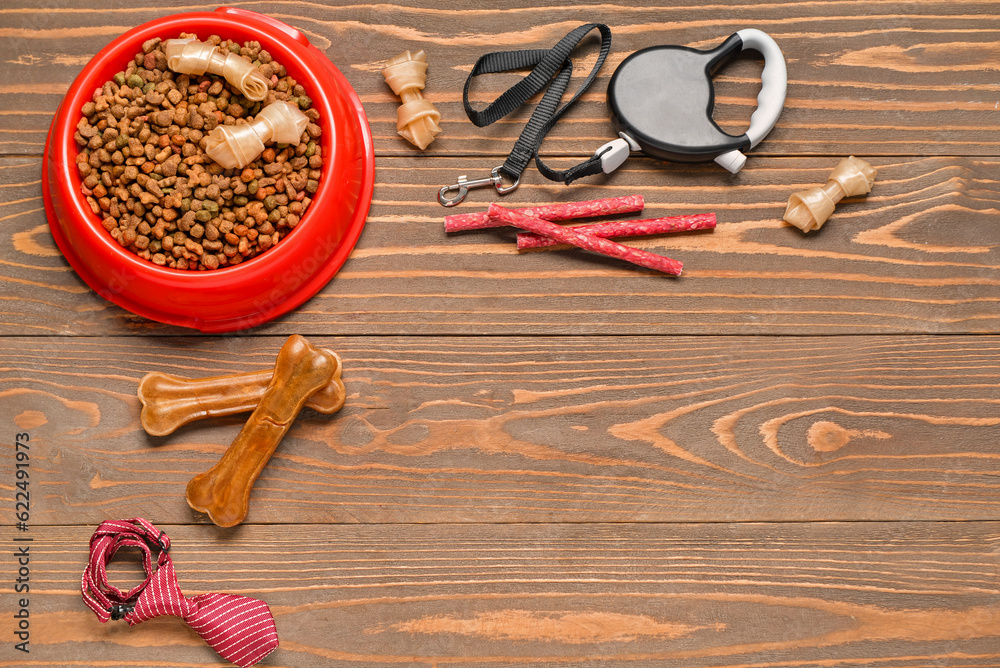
(236, 146)
(567, 211)
(189, 56)
(809, 209)
(168, 402)
(626, 228)
(241, 629)
(568, 235)
(416, 119)
(223, 492)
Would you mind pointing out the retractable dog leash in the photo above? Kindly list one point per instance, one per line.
(661, 98)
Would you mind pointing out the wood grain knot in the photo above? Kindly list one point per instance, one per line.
(36, 241)
(28, 420)
(827, 436)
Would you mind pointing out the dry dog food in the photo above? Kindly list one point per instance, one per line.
(145, 171)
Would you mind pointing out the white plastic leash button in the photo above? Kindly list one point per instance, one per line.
(613, 154)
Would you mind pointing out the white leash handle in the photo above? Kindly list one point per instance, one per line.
(774, 83)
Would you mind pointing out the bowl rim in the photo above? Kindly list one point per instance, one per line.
(297, 54)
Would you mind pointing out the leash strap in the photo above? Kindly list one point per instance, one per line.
(551, 68)
(241, 629)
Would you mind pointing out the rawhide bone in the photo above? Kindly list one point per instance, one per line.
(417, 119)
(236, 146)
(809, 209)
(169, 402)
(189, 56)
(223, 492)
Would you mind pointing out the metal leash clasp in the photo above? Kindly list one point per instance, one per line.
(119, 611)
(464, 185)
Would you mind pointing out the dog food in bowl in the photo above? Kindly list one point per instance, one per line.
(252, 291)
(145, 170)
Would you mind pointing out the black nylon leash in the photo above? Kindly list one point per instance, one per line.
(551, 68)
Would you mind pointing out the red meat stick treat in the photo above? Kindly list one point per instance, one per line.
(567, 235)
(567, 211)
(626, 228)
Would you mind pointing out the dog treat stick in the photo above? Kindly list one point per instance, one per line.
(189, 56)
(235, 146)
(224, 490)
(567, 235)
(625, 228)
(809, 209)
(416, 119)
(169, 402)
(567, 211)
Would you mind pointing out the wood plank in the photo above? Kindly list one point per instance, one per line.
(912, 595)
(921, 254)
(877, 78)
(543, 429)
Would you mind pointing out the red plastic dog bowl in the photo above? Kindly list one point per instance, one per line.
(260, 289)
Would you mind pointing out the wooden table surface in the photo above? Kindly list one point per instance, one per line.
(789, 457)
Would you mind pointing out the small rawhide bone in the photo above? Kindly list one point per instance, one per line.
(189, 56)
(809, 209)
(234, 146)
(223, 492)
(169, 402)
(416, 119)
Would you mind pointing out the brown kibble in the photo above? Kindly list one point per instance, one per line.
(162, 118)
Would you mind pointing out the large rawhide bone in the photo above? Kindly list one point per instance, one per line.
(169, 402)
(236, 146)
(417, 118)
(809, 209)
(189, 56)
(223, 492)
